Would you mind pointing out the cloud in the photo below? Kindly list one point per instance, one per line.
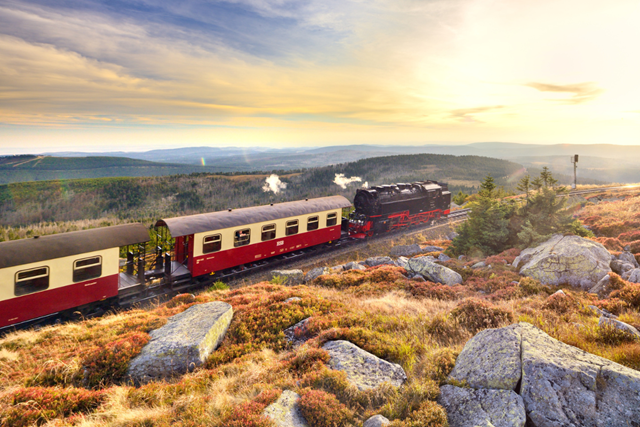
(582, 92)
(468, 115)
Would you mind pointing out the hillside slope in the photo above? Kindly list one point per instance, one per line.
(148, 199)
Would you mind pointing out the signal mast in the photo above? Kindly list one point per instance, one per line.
(574, 160)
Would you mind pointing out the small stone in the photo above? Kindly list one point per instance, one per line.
(602, 287)
(602, 312)
(442, 257)
(354, 266)
(632, 276)
(402, 262)
(627, 256)
(364, 370)
(605, 321)
(405, 250)
(337, 268)
(620, 266)
(433, 272)
(292, 299)
(290, 332)
(428, 249)
(379, 260)
(376, 421)
(480, 264)
(461, 257)
(418, 278)
(288, 277)
(285, 412)
(314, 273)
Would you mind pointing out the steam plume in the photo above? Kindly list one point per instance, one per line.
(366, 184)
(342, 180)
(273, 183)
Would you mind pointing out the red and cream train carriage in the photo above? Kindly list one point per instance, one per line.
(50, 274)
(216, 241)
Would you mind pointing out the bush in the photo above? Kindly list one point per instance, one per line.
(476, 314)
(37, 405)
(630, 294)
(321, 409)
(560, 303)
(181, 299)
(108, 365)
(409, 398)
(529, 286)
(248, 414)
(614, 305)
(429, 414)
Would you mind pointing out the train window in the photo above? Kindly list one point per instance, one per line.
(292, 227)
(332, 219)
(30, 281)
(268, 232)
(242, 237)
(312, 223)
(211, 244)
(87, 269)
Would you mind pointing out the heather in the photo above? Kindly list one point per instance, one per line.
(74, 374)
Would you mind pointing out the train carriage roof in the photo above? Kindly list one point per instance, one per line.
(25, 251)
(185, 225)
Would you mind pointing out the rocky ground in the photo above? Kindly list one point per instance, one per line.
(543, 337)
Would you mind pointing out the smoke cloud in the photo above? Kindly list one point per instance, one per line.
(273, 183)
(342, 180)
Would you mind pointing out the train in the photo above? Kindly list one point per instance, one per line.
(85, 273)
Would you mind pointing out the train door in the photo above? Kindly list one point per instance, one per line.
(182, 247)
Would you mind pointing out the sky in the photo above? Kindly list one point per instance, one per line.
(143, 74)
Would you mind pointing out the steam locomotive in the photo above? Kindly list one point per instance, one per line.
(389, 207)
(93, 270)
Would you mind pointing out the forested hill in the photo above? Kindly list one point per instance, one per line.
(24, 168)
(150, 198)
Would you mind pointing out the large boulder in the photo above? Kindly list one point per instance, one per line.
(483, 407)
(363, 369)
(560, 385)
(432, 271)
(285, 412)
(569, 260)
(183, 343)
(478, 367)
(406, 250)
(288, 277)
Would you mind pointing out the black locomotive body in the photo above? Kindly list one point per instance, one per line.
(387, 207)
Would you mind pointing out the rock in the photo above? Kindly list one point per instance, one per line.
(290, 333)
(628, 257)
(378, 260)
(632, 275)
(405, 250)
(292, 299)
(337, 268)
(402, 262)
(314, 273)
(602, 287)
(569, 260)
(602, 312)
(364, 370)
(418, 278)
(499, 368)
(288, 277)
(561, 385)
(434, 272)
(285, 412)
(442, 257)
(491, 408)
(620, 267)
(183, 343)
(605, 321)
(452, 235)
(354, 266)
(428, 249)
(376, 421)
(480, 264)
(461, 257)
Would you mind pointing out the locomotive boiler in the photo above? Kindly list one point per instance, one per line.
(388, 207)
